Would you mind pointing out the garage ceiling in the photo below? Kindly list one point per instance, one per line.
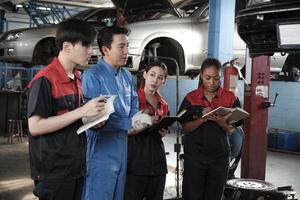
(80, 3)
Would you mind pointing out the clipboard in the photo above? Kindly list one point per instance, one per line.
(103, 116)
(189, 112)
(237, 113)
(163, 123)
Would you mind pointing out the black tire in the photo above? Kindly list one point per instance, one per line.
(231, 194)
(169, 48)
(293, 74)
(291, 67)
(44, 52)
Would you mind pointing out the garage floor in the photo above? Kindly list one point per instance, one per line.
(15, 184)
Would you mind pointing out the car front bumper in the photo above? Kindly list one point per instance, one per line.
(16, 51)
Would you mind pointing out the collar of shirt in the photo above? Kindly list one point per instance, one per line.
(206, 103)
(109, 68)
(201, 92)
(64, 77)
(143, 104)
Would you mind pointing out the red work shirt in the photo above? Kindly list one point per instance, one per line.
(59, 155)
(162, 106)
(208, 140)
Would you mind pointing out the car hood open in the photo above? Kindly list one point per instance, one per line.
(136, 7)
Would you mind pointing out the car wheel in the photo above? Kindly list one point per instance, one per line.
(44, 52)
(164, 47)
(293, 74)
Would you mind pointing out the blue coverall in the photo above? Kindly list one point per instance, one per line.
(106, 157)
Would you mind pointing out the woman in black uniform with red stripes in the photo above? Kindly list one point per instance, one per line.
(206, 147)
(146, 163)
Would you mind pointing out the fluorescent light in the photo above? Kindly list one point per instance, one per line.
(257, 2)
(288, 35)
(43, 8)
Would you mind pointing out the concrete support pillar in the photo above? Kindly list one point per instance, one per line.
(221, 29)
(2, 18)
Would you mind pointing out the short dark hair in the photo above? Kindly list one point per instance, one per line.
(211, 62)
(73, 31)
(105, 35)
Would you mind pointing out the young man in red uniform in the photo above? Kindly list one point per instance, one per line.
(57, 153)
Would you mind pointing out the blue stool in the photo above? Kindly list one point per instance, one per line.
(236, 141)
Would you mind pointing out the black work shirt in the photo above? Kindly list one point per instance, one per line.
(208, 141)
(59, 155)
(146, 152)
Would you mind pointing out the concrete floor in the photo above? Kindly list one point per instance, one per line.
(282, 169)
(15, 182)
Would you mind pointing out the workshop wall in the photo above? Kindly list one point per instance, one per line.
(285, 115)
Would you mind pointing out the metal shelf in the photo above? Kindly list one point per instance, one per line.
(8, 72)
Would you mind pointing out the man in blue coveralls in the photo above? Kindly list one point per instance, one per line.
(107, 145)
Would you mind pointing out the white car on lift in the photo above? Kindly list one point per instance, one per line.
(182, 34)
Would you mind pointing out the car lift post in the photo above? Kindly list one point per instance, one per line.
(2, 20)
(255, 127)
